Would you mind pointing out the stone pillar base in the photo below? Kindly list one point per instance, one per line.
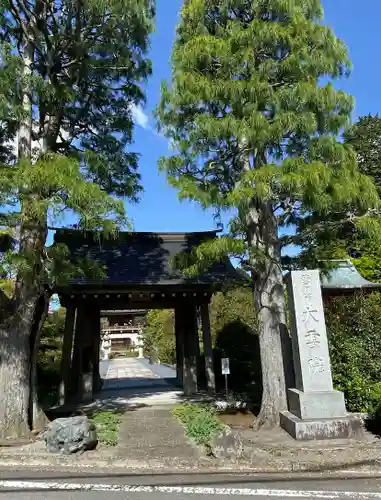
(323, 428)
(317, 405)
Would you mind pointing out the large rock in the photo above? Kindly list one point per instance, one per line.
(70, 435)
(227, 445)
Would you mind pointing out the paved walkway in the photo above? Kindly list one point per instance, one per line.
(126, 373)
(132, 382)
(154, 434)
(150, 432)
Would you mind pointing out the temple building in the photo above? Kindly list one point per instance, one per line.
(138, 273)
(121, 332)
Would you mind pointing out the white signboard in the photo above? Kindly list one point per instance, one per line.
(225, 366)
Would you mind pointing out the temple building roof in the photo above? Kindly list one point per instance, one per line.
(124, 312)
(344, 276)
(137, 259)
(134, 259)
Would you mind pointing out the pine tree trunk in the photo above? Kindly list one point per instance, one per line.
(37, 417)
(270, 302)
(15, 371)
(16, 327)
(19, 334)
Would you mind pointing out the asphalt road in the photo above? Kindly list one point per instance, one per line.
(49, 485)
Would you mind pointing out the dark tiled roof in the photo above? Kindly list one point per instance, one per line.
(344, 276)
(134, 259)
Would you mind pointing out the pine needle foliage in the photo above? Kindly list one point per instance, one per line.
(250, 120)
(365, 138)
(70, 75)
(364, 248)
(358, 241)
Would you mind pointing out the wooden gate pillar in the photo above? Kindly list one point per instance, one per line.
(96, 336)
(179, 333)
(67, 346)
(189, 315)
(208, 348)
(82, 364)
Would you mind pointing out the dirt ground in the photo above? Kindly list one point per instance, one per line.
(238, 420)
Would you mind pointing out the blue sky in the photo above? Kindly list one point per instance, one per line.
(357, 23)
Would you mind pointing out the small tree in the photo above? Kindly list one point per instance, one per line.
(230, 306)
(70, 73)
(159, 334)
(365, 138)
(253, 131)
(350, 240)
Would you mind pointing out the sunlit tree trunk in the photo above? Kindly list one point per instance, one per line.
(270, 302)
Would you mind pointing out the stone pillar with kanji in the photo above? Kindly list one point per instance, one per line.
(316, 410)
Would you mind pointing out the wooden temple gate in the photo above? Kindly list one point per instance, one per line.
(138, 274)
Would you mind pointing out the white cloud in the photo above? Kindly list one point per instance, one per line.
(140, 117)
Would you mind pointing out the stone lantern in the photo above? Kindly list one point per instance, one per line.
(106, 346)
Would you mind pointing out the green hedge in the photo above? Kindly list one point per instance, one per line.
(354, 333)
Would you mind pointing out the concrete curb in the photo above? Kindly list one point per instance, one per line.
(178, 466)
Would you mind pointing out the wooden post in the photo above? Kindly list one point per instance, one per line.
(190, 349)
(179, 332)
(208, 349)
(81, 353)
(70, 319)
(199, 364)
(96, 335)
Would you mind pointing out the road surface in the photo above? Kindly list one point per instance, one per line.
(44, 485)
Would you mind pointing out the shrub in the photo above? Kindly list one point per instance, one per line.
(131, 353)
(355, 346)
(238, 342)
(232, 306)
(200, 421)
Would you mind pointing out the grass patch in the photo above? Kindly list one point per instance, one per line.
(107, 423)
(200, 421)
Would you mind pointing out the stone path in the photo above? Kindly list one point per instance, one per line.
(126, 373)
(149, 430)
(132, 382)
(153, 434)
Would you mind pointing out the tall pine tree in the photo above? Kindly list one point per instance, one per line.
(253, 127)
(70, 74)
